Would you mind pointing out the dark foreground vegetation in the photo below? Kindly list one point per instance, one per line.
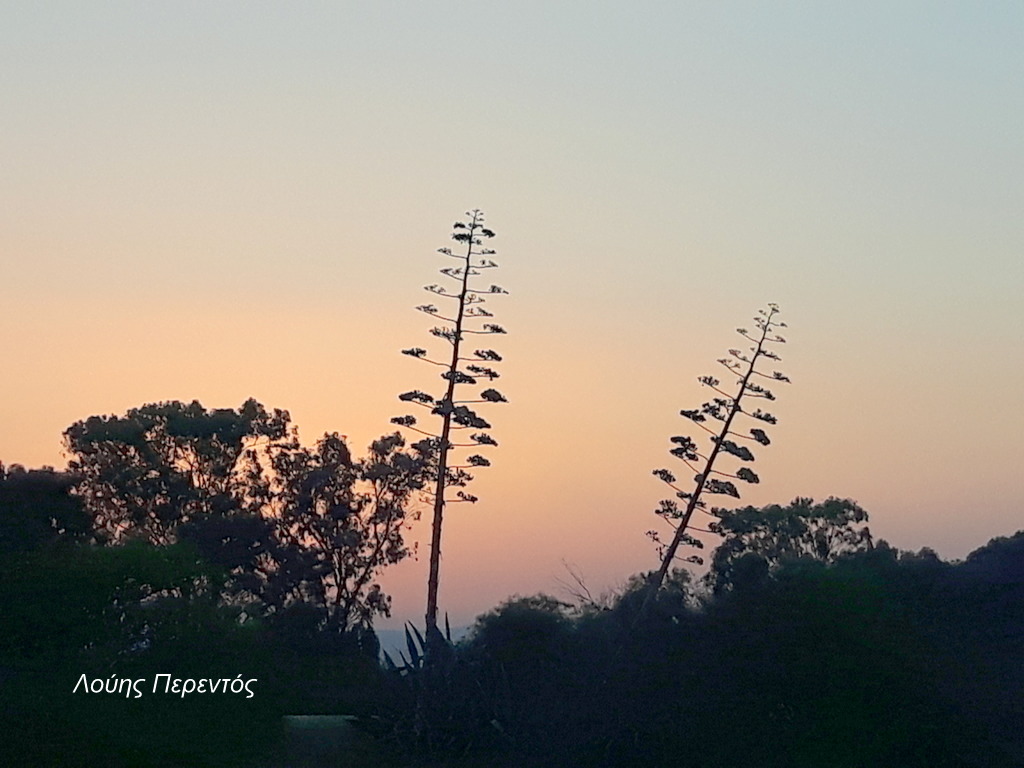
(806, 645)
(199, 589)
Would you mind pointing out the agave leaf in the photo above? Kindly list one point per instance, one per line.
(414, 654)
(419, 637)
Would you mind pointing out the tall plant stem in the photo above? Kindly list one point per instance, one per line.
(658, 578)
(433, 578)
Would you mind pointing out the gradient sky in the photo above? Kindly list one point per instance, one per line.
(217, 201)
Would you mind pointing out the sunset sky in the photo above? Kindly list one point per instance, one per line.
(218, 201)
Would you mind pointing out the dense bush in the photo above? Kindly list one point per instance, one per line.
(879, 658)
(866, 657)
(135, 612)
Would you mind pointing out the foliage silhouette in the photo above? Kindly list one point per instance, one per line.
(844, 653)
(459, 370)
(301, 532)
(165, 464)
(435, 702)
(37, 509)
(757, 540)
(347, 520)
(130, 611)
(837, 655)
(845, 663)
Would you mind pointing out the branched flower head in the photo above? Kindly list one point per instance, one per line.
(461, 317)
(727, 410)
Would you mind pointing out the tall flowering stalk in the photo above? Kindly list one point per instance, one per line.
(461, 319)
(726, 409)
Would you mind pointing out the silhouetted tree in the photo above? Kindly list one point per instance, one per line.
(36, 508)
(296, 529)
(1000, 561)
(165, 464)
(723, 409)
(348, 518)
(843, 655)
(756, 540)
(460, 370)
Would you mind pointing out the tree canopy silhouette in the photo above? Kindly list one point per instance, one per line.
(344, 521)
(36, 508)
(165, 464)
(757, 540)
(296, 528)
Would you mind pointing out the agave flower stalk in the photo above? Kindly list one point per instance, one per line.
(463, 319)
(725, 409)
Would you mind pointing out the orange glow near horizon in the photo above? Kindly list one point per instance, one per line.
(227, 203)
